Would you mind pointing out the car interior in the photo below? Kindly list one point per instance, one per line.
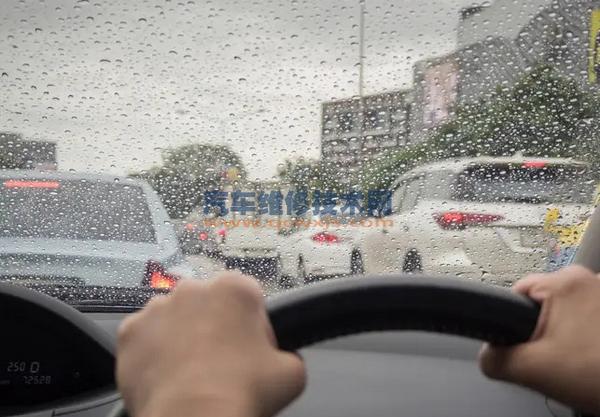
(385, 170)
(388, 346)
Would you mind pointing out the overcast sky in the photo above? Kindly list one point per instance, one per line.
(115, 81)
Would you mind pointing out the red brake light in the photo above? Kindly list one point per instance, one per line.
(157, 278)
(189, 227)
(203, 236)
(325, 237)
(222, 232)
(460, 220)
(31, 184)
(534, 164)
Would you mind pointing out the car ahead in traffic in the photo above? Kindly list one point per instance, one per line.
(199, 233)
(565, 233)
(251, 246)
(321, 247)
(468, 217)
(85, 230)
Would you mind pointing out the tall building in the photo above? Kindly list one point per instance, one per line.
(354, 130)
(565, 35)
(487, 65)
(487, 20)
(435, 89)
(499, 43)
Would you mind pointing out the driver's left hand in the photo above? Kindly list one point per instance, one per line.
(206, 349)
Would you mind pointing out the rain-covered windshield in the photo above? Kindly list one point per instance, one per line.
(503, 183)
(297, 141)
(74, 210)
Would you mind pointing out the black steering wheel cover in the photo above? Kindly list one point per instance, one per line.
(403, 302)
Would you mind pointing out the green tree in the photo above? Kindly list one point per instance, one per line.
(312, 175)
(542, 115)
(190, 170)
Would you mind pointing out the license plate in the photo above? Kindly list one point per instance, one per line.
(533, 238)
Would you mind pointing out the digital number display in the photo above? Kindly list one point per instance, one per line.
(32, 367)
(26, 373)
(37, 379)
(46, 359)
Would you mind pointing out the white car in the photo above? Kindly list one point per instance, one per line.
(317, 248)
(468, 217)
(251, 246)
(86, 230)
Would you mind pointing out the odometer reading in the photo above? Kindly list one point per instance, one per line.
(37, 379)
(26, 373)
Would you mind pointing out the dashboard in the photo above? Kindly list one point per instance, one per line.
(55, 361)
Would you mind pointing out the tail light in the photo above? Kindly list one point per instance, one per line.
(203, 236)
(53, 185)
(534, 164)
(222, 233)
(157, 278)
(189, 227)
(461, 220)
(325, 237)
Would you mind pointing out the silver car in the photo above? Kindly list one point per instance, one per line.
(91, 230)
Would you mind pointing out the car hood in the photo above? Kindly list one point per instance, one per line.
(104, 263)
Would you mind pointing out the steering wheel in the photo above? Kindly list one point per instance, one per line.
(336, 308)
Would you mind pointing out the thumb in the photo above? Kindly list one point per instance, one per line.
(522, 364)
(294, 372)
(284, 384)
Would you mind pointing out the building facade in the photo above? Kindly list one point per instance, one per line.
(498, 43)
(487, 20)
(435, 89)
(355, 130)
(496, 51)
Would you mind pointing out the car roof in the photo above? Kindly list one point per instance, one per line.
(72, 176)
(457, 166)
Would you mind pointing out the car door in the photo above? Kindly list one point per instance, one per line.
(385, 248)
(289, 248)
(405, 228)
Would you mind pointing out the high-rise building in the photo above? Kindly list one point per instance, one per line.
(505, 18)
(435, 89)
(496, 50)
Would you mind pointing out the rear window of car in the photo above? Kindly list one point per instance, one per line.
(534, 183)
(74, 210)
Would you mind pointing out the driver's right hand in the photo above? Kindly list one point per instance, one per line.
(562, 359)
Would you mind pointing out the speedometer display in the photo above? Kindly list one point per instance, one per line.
(37, 368)
(24, 376)
(25, 372)
(44, 359)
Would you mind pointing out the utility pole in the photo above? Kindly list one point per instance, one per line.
(361, 55)
(361, 49)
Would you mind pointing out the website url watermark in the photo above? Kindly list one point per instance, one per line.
(291, 224)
